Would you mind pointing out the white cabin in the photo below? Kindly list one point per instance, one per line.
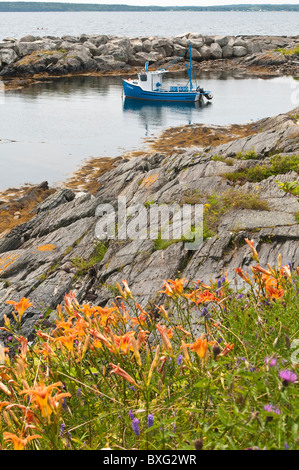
(151, 81)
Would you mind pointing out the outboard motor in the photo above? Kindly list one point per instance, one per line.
(209, 96)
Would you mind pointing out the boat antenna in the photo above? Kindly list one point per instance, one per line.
(190, 68)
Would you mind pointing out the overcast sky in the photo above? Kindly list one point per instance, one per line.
(174, 2)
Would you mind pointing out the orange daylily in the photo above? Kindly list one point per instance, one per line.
(41, 394)
(122, 373)
(285, 271)
(199, 296)
(18, 441)
(106, 314)
(250, 243)
(259, 269)
(140, 320)
(67, 341)
(174, 288)
(100, 337)
(274, 293)
(165, 338)
(24, 344)
(20, 306)
(142, 337)
(124, 342)
(179, 327)
(200, 347)
(228, 347)
(4, 403)
(243, 275)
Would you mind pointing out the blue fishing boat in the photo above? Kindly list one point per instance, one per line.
(149, 86)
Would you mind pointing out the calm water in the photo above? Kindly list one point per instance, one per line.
(49, 128)
(148, 24)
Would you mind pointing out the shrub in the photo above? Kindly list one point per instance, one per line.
(278, 165)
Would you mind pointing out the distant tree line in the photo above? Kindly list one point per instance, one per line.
(50, 6)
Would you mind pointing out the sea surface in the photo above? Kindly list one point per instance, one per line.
(134, 24)
(48, 129)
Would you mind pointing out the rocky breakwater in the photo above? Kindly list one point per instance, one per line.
(58, 251)
(51, 55)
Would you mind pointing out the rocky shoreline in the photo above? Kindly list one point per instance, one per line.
(34, 57)
(56, 250)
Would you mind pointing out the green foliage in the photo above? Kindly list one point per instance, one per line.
(84, 265)
(278, 165)
(251, 155)
(290, 187)
(219, 205)
(227, 160)
(295, 51)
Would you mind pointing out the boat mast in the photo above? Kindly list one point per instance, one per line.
(190, 68)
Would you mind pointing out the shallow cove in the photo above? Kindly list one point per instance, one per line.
(48, 129)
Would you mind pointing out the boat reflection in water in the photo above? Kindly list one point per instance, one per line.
(155, 114)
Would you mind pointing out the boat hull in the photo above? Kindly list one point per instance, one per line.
(135, 91)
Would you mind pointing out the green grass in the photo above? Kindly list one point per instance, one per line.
(278, 165)
(219, 205)
(288, 51)
(84, 265)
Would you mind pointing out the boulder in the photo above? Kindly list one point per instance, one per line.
(141, 58)
(195, 54)
(216, 51)
(27, 48)
(208, 40)
(221, 40)
(205, 52)
(136, 45)
(99, 40)
(91, 47)
(196, 43)
(7, 56)
(240, 42)
(227, 52)
(30, 38)
(147, 46)
(239, 51)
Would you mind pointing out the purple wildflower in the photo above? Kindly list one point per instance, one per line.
(287, 376)
(9, 338)
(270, 361)
(150, 420)
(135, 426)
(205, 313)
(79, 392)
(62, 428)
(64, 405)
(180, 359)
(131, 414)
(286, 447)
(240, 296)
(272, 409)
